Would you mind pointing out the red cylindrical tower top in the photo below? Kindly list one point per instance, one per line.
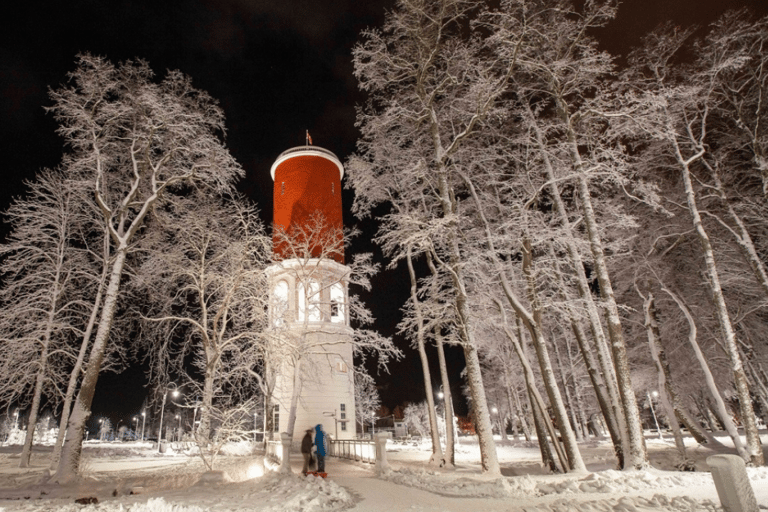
(307, 204)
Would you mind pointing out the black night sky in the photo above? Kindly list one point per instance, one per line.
(278, 68)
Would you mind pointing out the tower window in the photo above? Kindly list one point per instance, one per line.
(276, 418)
(343, 416)
(333, 188)
(309, 303)
(337, 303)
(341, 367)
(282, 188)
(280, 303)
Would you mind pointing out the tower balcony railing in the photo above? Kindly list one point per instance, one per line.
(298, 149)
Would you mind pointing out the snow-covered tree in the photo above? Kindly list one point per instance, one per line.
(132, 140)
(46, 275)
(367, 400)
(431, 90)
(205, 283)
(677, 115)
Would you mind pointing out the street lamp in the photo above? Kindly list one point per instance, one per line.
(495, 411)
(16, 419)
(178, 433)
(143, 421)
(162, 411)
(135, 425)
(653, 412)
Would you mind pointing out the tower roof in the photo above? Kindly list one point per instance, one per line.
(307, 151)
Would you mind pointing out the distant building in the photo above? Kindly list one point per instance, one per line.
(308, 309)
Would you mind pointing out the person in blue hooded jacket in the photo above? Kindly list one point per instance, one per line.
(321, 447)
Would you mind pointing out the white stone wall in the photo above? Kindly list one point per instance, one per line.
(327, 381)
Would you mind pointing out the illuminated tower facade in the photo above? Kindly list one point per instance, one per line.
(308, 308)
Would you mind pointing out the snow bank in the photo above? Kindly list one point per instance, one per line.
(309, 494)
(630, 504)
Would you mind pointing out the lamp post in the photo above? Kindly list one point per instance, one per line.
(178, 433)
(135, 425)
(495, 411)
(16, 419)
(143, 421)
(162, 411)
(653, 412)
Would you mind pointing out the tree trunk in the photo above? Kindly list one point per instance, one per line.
(665, 383)
(448, 403)
(575, 461)
(709, 378)
(635, 455)
(521, 415)
(753, 452)
(488, 456)
(74, 376)
(69, 463)
(615, 420)
(540, 416)
(564, 383)
(437, 457)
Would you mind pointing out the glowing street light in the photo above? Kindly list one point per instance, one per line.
(143, 421)
(162, 411)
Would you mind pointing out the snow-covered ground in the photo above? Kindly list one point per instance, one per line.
(134, 477)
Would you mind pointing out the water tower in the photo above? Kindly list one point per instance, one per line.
(308, 306)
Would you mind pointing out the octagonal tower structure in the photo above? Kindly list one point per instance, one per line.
(308, 307)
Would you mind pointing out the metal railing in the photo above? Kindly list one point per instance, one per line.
(354, 449)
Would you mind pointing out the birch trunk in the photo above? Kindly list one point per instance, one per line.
(635, 455)
(564, 383)
(665, 384)
(582, 286)
(296, 393)
(709, 378)
(610, 409)
(575, 461)
(541, 418)
(753, 453)
(488, 456)
(437, 457)
(521, 415)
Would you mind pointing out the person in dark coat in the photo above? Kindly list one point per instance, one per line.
(321, 446)
(306, 449)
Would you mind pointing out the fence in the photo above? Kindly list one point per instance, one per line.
(360, 450)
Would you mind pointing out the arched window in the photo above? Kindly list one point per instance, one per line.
(279, 303)
(338, 309)
(309, 307)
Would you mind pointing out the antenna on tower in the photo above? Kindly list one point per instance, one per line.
(309, 139)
